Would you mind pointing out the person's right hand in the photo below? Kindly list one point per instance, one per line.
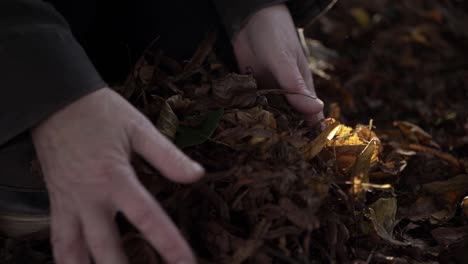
(84, 151)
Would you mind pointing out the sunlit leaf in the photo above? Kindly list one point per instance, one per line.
(360, 171)
(313, 148)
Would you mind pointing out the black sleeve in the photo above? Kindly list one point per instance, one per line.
(305, 12)
(236, 13)
(42, 67)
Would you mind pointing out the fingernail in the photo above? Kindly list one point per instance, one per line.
(198, 169)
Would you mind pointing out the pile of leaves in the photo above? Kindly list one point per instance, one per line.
(278, 191)
(370, 185)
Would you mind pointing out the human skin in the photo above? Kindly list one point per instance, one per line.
(84, 151)
(269, 46)
(85, 148)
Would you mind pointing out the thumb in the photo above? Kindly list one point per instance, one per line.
(301, 91)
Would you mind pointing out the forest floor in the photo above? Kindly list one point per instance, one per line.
(384, 182)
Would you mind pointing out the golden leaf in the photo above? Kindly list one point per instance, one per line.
(313, 148)
(360, 171)
(348, 144)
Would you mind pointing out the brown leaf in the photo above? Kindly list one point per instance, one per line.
(451, 190)
(335, 111)
(251, 117)
(415, 133)
(454, 162)
(235, 90)
(449, 235)
(253, 244)
(464, 206)
(168, 122)
(179, 104)
(298, 216)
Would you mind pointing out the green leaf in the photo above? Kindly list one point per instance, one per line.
(191, 136)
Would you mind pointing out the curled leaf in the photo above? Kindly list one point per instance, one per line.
(347, 145)
(360, 171)
(313, 148)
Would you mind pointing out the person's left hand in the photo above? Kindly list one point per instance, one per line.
(270, 46)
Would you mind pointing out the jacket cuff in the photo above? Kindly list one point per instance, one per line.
(42, 69)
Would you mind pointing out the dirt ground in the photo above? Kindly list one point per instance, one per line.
(385, 182)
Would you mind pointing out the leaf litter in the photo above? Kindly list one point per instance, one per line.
(391, 188)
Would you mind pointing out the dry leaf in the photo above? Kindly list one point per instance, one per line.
(335, 111)
(168, 122)
(347, 145)
(179, 104)
(382, 214)
(250, 117)
(451, 190)
(449, 235)
(464, 206)
(454, 162)
(313, 148)
(415, 133)
(360, 171)
(361, 16)
(235, 90)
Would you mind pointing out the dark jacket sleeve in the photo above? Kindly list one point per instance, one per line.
(42, 67)
(306, 12)
(236, 13)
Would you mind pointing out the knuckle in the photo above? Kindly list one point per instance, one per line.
(98, 245)
(297, 85)
(63, 246)
(144, 220)
(137, 130)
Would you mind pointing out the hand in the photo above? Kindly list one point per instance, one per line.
(84, 151)
(270, 46)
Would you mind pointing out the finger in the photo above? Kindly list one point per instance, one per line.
(163, 155)
(151, 220)
(289, 77)
(314, 119)
(67, 239)
(102, 236)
